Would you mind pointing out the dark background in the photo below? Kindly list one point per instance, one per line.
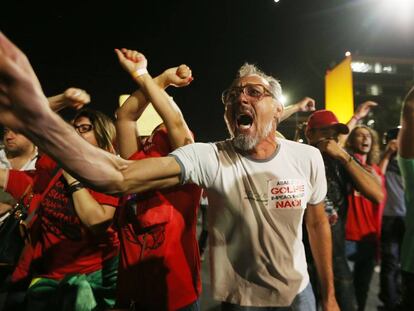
(71, 44)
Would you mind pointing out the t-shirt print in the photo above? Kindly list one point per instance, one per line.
(286, 194)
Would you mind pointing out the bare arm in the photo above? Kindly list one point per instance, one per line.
(360, 113)
(3, 177)
(367, 183)
(24, 108)
(306, 104)
(178, 131)
(406, 134)
(93, 215)
(321, 245)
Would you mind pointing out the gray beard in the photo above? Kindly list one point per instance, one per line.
(246, 142)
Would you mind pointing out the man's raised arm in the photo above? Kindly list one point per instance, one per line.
(25, 108)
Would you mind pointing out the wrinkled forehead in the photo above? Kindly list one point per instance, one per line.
(252, 79)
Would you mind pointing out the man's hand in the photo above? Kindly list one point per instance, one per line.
(363, 109)
(332, 148)
(177, 76)
(76, 98)
(131, 61)
(306, 104)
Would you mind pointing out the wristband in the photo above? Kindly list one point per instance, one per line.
(356, 118)
(73, 182)
(75, 187)
(139, 72)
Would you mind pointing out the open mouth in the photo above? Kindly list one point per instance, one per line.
(244, 121)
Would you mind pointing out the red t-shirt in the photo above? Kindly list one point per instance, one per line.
(66, 245)
(160, 265)
(364, 217)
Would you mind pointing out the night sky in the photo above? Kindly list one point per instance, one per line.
(71, 44)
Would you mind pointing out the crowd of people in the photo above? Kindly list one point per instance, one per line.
(112, 214)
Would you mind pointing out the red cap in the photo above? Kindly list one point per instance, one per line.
(325, 118)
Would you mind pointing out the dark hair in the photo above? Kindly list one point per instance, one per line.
(103, 127)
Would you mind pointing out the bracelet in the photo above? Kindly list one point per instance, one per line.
(139, 72)
(75, 187)
(356, 118)
(73, 182)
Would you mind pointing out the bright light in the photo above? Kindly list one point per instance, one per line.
(361, 67)
(347, 53)
(276, 1)
(284, 99)
(402, 11)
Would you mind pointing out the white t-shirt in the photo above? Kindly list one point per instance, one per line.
(255, 217)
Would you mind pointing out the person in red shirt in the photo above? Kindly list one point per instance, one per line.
(363, 225)
(74, 248)
(160, 265)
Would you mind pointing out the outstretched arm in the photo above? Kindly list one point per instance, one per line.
(406, 134)
(304, 105)
(25, 108)
(135, 64)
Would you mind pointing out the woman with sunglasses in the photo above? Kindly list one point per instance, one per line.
(73, 258)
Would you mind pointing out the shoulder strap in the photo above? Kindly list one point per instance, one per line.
(57, 172)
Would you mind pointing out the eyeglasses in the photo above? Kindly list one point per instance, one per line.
(256, 91)
(83, 128)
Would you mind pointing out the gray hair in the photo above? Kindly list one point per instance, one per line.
(249, 69)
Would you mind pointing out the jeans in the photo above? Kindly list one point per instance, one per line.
(364, 263)
(343, 280)
(407, 291)
(195, 306)
(304, 301)
(393, 229)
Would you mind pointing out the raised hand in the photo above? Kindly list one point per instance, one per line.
(76, 98)
(132, 61)
(177, 76)
(363, 109)
(306, 104)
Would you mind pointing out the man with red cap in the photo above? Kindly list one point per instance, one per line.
(342, 174)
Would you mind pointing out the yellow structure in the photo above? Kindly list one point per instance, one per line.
(149, 119)
(339, 97)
